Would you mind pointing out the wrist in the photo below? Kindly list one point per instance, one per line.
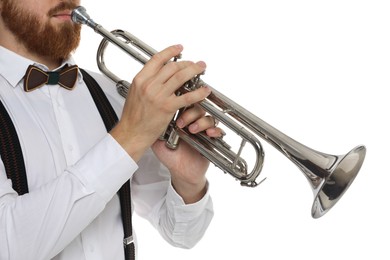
(131, 143)
(191, 192)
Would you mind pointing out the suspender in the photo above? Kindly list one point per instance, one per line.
(12, 157)
(11, 153)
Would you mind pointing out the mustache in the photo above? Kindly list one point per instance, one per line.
(62, 7)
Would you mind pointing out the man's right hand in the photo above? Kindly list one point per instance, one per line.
(152, 102)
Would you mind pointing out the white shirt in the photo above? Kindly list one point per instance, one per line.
(74, 170)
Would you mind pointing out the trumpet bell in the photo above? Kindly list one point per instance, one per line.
(329, 189)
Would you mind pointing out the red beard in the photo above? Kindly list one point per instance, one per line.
(42, 39)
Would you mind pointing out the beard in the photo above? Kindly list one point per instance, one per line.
(44, 39)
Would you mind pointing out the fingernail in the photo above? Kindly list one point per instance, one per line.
(193, 128)
(207, 89)
(180, 123)
(202, 64)
(179, 46)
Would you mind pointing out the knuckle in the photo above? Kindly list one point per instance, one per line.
(180, 77)
(172, 67)
(137, 80)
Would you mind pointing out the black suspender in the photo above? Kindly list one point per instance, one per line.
(12, 157)
(11, 153)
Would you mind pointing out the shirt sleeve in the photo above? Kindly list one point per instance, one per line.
(154, 198)
(44, 221)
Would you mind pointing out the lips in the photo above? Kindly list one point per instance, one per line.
(65, 15)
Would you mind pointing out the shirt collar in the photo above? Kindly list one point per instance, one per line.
(13, 66)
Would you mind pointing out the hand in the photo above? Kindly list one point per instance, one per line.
(152, 102)
(187, 166)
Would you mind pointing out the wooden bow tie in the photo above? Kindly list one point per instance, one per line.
(35, 77)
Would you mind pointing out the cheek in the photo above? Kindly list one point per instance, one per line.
(37, 7)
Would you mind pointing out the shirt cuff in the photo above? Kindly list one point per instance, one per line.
(185, 212)
(105, 168)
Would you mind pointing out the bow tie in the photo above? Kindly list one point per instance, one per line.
(35, 77)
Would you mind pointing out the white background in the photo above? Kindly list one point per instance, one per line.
(316, 70)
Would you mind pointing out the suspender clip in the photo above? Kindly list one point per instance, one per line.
(127, 241)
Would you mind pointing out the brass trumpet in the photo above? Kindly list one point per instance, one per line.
(329, 175)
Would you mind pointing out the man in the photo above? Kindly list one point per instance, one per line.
(73, 166)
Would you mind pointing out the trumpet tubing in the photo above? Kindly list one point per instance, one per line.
(329, 175)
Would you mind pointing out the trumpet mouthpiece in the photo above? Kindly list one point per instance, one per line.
(79, 15)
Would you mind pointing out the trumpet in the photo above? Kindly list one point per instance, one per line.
(329, 175)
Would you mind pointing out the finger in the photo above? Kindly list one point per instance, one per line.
(159, 59)
(191, 114)
(215, 132)
(155, 84)
(186, 72)
(192, 97)
(154, 65)
(202, 124)
(172, 68)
